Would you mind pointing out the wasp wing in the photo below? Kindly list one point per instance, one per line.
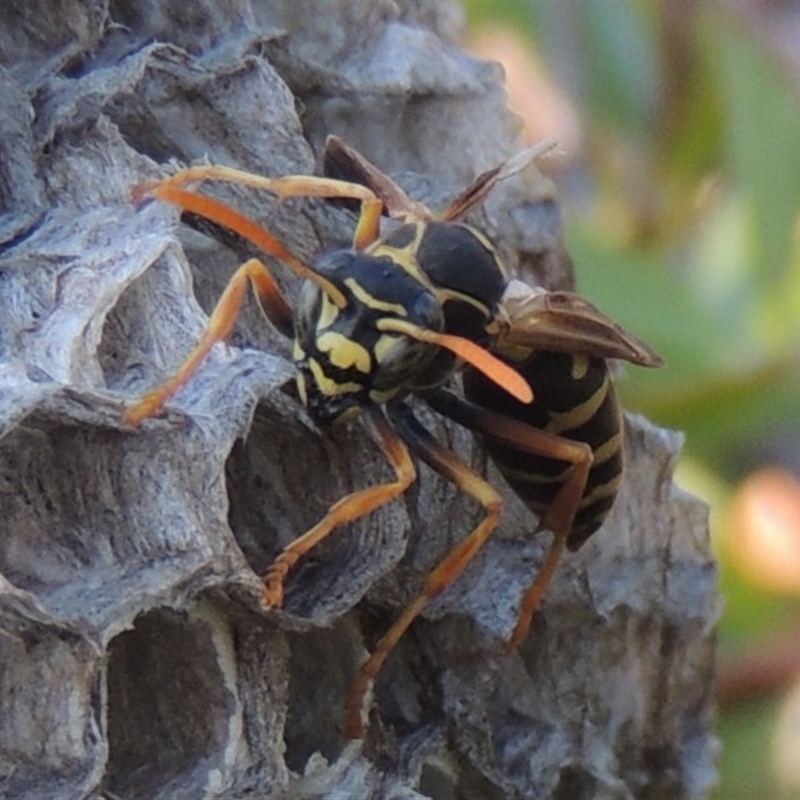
(474, 195)
(346, 163)
(534, 318)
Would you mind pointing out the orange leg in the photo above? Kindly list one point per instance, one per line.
(347, 509)
(564, 505)
(219, 328)
(368, 227)
(560, 515)
(447, 571)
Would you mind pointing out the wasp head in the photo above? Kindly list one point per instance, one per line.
(344, 360)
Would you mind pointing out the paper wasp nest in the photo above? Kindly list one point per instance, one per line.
(135, 661)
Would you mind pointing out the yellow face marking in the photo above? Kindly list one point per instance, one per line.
(302, 390)
(327, 313)
(384, 346)
(344, 353)
(329, 387)
(298, 354)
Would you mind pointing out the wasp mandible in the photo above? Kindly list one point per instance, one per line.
(397, 315)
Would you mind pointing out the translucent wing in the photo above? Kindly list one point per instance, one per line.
(482, 186)
(532, 317)
(345, 163)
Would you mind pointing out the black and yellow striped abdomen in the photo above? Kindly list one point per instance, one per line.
(575, 399)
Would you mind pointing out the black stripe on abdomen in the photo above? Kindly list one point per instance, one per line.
(574, 399)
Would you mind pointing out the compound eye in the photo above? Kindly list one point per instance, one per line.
(399, 359)
(426, 311)
(309, 306)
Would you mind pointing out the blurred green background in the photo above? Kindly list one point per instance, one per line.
(680, 181)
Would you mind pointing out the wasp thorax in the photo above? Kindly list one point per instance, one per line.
(346, 359)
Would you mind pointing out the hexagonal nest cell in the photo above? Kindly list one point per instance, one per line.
(136, 660)
(165, 684)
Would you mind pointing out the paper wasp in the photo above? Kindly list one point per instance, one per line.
(396, 315)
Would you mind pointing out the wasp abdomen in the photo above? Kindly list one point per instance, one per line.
(574, 399)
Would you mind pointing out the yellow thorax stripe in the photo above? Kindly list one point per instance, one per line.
(484, 240)
(361, 294)
(406, 258)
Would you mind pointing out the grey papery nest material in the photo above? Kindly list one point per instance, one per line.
(135, 659)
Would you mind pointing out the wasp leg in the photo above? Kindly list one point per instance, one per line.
(228, 217)
(367, 230)
(560, 514)
(449, 466)
(349, 508)
(219, 328)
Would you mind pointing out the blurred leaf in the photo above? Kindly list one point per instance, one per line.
(689, 236)
(517, 15)
(610, 50)
(633, 287)
(751, 612)
(692, 119)
(745, 766)
(717, 385)
(762, 131)
(621, 48)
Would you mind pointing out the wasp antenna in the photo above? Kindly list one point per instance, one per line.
(222, 214)
(478, 357)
